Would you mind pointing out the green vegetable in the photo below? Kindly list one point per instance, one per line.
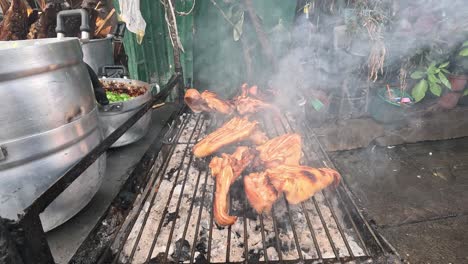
(117, 97)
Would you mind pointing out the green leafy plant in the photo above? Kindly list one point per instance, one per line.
(464, 50)
(432, 78)
(460, 65)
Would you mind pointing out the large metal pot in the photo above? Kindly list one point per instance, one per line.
(96, 52)
(49, 121)
(115, 114)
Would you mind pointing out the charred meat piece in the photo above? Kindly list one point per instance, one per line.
(249, 105)
(282, 150)
(258, 137)
(256, 93)
(251, 101)
(235, 130)
(206, 102)
(299, 183)
(226, 169)
(260, 192)
(15, 22)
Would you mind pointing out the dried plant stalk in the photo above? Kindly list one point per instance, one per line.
(376, 60)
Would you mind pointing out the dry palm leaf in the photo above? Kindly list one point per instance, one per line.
(4, 5)
(100, 23)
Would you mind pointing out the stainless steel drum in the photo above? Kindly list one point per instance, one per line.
(115, 114)
(49, 121)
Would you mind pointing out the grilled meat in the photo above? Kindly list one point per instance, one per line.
(249, 105)
(299, 183)
(258, 137)
(226, 169)
(260, 192)
(206, 102)
(256, 93)
(251, 101)
(15, 22)
(235, 130)
(282, 150)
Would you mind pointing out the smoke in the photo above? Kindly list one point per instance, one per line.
(329, 51)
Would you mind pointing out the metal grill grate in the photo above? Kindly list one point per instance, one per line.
(172, 220)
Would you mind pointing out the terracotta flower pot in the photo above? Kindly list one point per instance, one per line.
(449, 100)
(458, 82)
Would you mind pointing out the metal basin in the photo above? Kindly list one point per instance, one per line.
(49, 121)
(115, 114)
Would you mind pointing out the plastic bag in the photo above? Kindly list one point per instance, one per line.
(131, 15)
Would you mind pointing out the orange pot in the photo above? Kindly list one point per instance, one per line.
(458, 82)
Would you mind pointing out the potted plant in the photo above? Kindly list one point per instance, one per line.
(432, 78)
(459, 77)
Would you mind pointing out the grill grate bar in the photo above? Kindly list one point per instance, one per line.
(228, 245)
(340, 229)
(197, 228)
(189, 213)
(246, 243)
(156, 236)
(262, 230)
(181, 195)
(312, 232)
(277, 239)
(163, 168)
(210, 236)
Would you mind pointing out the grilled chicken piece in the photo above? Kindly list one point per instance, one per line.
(256, 93)
(206, 102)
(258, 137)
(260, 192)
(249, 105)
(235, 130)
(282, 150)
(226, 170)
(251, 101)
(15, 22)
(299, 183)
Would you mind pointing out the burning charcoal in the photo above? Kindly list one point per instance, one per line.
(126, 199)
(182, 250)
(254, 255)
(158, 259)
(171, 217)
(170, 173)
(200, 258)
(201, 246)
(200, 164)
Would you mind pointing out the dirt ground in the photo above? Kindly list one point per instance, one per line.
(417, 195)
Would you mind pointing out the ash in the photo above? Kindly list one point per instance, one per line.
(179, 223)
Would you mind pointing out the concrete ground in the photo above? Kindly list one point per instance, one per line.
(416, 194)
(65, 240)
